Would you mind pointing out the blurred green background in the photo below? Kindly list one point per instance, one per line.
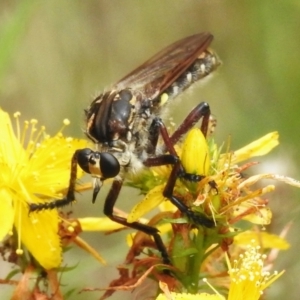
(55, 56)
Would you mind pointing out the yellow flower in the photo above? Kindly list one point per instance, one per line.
(238, 199)
(203, 158)
(195, 153)
(259, 147)
(185, 296)
(167, 295)
(263, 238)
(248, 279)
(34, 168)
(195, 158)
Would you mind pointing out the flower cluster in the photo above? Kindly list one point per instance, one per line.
(226, 251)
(34, 168)
(235, 203)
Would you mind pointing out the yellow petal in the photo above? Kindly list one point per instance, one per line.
(259, 147)
(167, 206)
(265, 239)
(39, 232)
(152, 200)
(195, 154)
(185, 296)
(49, 168)
(98, 224)
(263, 216)
(6, 213)
(167, 295)
(88, 248)
(10, 148)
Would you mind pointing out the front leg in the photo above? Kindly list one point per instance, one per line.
(70, 197)
(99, 165)
(152, 231)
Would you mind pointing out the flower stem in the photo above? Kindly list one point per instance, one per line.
(196, 262)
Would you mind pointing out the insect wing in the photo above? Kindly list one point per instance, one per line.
(161, 70)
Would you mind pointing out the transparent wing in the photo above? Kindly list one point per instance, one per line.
(161, 70)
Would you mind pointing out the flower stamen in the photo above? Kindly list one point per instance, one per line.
(248, 277)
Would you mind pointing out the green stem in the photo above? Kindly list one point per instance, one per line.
(196, 262)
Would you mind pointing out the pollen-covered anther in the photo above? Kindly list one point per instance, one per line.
(248, 275)
(33, 121)
(19, 251)
(66, 122)
(200, 199)
(71, 228)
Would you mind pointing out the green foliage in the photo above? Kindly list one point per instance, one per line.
(12, 32)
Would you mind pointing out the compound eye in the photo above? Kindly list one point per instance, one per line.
(109, 165)
(101, 165)
(125, 95)
(83, 159)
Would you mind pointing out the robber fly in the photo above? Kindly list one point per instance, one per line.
(124, 123)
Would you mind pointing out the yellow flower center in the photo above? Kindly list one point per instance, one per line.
(248, 277)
